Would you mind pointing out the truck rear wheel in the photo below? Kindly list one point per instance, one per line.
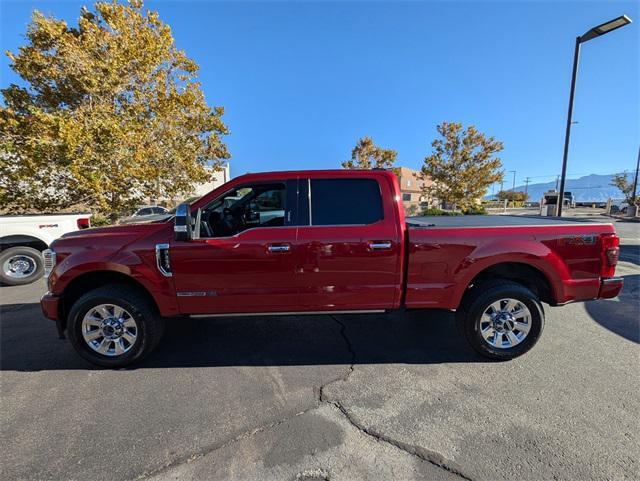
(501, 319)
(114, 326)
(20, 265)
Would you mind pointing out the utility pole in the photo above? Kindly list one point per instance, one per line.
(526, 185)
(513, 188)
(557, 180)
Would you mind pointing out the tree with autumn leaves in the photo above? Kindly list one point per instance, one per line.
(367, 155)
(462, 165)
(110, 113)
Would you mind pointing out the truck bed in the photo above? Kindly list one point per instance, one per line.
(447, 252)
(451, 221)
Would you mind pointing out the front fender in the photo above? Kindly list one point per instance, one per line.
(140, 268)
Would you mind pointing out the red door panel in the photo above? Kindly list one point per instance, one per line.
(253, 271)
(349, 267)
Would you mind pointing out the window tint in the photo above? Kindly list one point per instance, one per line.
(345, 201)
(260, 205)
(144, 212)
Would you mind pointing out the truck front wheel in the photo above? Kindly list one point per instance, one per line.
(20, 265)
(114, 326)
(501, 319)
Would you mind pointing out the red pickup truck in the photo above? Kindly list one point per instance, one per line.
(320, 242)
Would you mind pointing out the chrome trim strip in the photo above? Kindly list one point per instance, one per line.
(376, 246)
(613, 280)
(288, 313)
(159, 249)
(283, 248)
(196, 293)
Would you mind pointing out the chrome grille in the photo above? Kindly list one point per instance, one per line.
(49, 257)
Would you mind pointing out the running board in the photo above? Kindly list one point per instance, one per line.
(287, 313)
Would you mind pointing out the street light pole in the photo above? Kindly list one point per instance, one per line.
(567, 135)
(602, 29)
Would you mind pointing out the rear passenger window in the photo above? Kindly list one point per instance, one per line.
(345, 202)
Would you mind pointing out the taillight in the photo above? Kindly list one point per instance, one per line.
(83, 223)
(610, 254)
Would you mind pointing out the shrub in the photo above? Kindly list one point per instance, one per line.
(480, 210)
(436, 211)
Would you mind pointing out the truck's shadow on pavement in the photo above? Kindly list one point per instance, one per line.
(620, 315)
(29, 342)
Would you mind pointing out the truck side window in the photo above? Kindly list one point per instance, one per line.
(246, 207)
(345, 202)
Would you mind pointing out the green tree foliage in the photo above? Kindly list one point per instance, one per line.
(111, 113)
(625, 184)
(462, 165)
(512, 196)
(367, 155)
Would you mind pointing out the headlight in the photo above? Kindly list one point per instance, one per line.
(49, 257)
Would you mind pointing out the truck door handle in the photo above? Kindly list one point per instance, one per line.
(380, 245)
(278, 248)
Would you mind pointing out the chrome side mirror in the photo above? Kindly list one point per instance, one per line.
(183, 226)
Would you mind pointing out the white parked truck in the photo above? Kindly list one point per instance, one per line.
(24, 237)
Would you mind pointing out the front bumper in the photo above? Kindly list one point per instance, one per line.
(50, 305)
(610, 287)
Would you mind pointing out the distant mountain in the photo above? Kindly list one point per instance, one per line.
(590, 188)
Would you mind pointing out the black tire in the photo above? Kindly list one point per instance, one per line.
(479, 298)
(150, 326)
(25, 254)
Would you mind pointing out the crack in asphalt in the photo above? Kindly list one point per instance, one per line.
(421, 453)
(217, 446)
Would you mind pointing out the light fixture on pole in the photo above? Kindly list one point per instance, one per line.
(602, 29)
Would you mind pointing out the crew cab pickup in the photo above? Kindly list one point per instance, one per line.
(320, 242)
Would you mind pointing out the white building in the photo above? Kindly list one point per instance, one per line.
(219, 177)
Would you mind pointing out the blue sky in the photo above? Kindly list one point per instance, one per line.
(301, 82)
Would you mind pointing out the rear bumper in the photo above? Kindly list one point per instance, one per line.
(50, 304)
(610, 287)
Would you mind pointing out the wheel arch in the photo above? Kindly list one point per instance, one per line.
(521, 272)
(92, 280)
(22, 240)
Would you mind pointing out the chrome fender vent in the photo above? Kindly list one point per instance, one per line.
(49, 257)
(162, 259)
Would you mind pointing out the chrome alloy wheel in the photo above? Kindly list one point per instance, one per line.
(109, 329)
(505, 323)
(19, 266)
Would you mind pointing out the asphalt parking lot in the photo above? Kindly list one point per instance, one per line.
(396, 397)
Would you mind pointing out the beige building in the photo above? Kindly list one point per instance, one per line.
(220, 177)
(411, 186)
